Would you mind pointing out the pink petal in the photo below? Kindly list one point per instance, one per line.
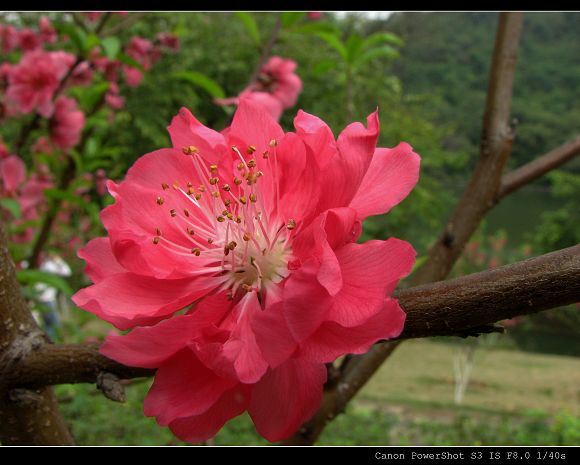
(306, 301)
(202, 427)
(12, 173)
(252, 125)
(184, 387)
(240, 356)
(286, 397)
(391, 176)
(370, 272)
(150, 346)
(344, 174)
(273, 335)
(127, 299)
(100, 259)
(186, 130)
(332, 340)
(317, 136)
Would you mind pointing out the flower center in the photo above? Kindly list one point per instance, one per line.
(230, 224)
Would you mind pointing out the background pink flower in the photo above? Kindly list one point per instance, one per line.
(66, 123)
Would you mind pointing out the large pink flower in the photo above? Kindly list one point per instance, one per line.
(253, 233)
(35, 79)
(67, 123)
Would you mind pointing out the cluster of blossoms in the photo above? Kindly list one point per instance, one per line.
(35, 79)
(27, 191)
(232, 257)
(275, 88)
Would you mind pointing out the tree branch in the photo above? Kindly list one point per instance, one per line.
(478, 198)
(27, 416)
(453, 307)
(538, 167)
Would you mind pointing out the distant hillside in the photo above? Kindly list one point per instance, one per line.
(447, 55)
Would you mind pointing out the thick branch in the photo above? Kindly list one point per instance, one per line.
(27, 416)
(538, 167)
(452, 307)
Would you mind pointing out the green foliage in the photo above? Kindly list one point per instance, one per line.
(31, 277)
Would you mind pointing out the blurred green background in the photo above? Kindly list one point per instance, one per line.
(429, 82)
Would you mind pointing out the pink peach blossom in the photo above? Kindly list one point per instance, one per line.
(133, 76)
(276, 81)
(66, 124)
(28, 40)
(253, 233)
(47, 32)
(33, 81)
(315, 15)
(168, 40)
(9, 38)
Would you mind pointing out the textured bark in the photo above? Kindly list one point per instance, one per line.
(27, 416)
(478, 198)
(464, 306)
(538, 167)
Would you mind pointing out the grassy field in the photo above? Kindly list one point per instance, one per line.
(513, 398)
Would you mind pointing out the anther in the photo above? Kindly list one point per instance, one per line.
(201, 188)
(213, 168)
(176, 185)
(252, 163)
(190, 149)
(186, 212)
(158, 231)
(238, 219)
(165, 186)
(237, 181)
(160, 200)
(197, 196)
(251, 149)
(291, 224)
(215, 194)
(259, 174)
(210, 240)
(273, 143)
(213, 181)
(191, 191)
(230, 216)
(189, 185)
(253, 197)
(246, 237)
(190, 231)
(227, 202)
(221, 219)
(195, 251)
(156, 240)
(173, 212)
(241, 166)
(243, 200)
(265, 154)
(226, 187)
(232, 245)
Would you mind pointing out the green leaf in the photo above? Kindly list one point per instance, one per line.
(30, 277)
(382, 38)
(251, 25)
(12, 206)
(111, 47)
(323, 67)
(127, 60)
(289, 18)
(333, 40)
(384, 51)
(203, 81)
(92, 42)
(354, 46)
(76, 35)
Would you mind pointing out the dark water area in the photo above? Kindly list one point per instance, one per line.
(520, 213)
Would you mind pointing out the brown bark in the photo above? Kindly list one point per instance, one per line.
(463, 306)
(477, 199)
(538, 167)
(27, 416)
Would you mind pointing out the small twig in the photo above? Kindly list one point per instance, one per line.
(540, 166)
